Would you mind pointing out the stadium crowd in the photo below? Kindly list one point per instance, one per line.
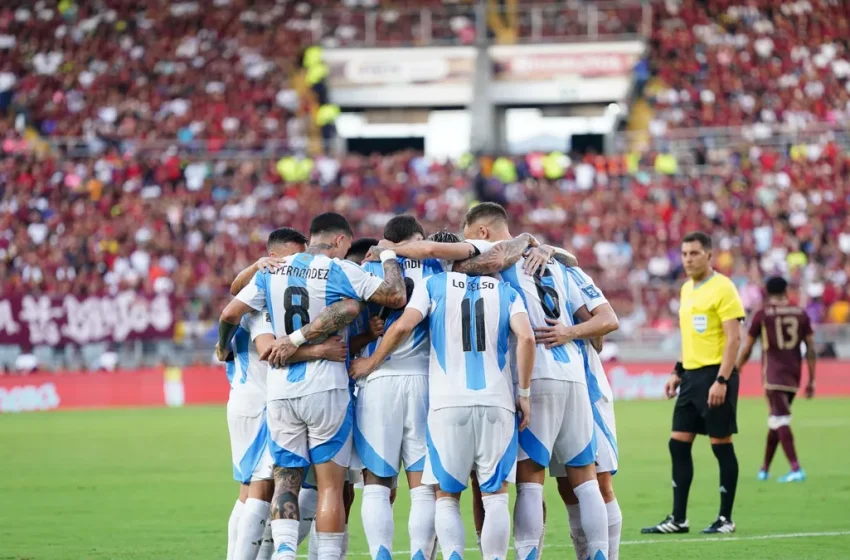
(193, 78)
(187, 225)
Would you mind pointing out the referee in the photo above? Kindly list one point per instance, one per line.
(710, 314)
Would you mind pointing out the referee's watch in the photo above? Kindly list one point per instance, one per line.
(722, 380)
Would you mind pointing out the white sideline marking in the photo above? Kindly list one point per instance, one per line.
(672, 540)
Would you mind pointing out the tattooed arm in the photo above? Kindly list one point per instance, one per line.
(500, 257)
(227, 325)
(331, 319)
(287, 484)
(392, 292)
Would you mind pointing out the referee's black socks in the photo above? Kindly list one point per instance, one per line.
(728, 463)
(683, 474)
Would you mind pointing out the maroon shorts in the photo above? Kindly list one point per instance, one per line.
(779, 402)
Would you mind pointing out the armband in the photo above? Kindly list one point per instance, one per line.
(297, 338)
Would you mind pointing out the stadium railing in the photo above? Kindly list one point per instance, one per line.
(544, 22)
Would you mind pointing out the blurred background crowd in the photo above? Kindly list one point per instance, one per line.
(152, 146)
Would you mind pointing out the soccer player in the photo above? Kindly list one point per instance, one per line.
(309, 412)
(391, 415)
(360, 333)
(248, 529)
(782, 328)
(710, 314)
(562, 429)
(472, 411)
(602, 402)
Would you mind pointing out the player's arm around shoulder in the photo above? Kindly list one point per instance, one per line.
(251, 298)
(495, 257)
(391, 292)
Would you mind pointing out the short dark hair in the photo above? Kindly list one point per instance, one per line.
(699, 237)
(401, 228)
(361, 247)
(485, 210)
(330, 222)
(776, 286)
(285, 235)
(444, 236)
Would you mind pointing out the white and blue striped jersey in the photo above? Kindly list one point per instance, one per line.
(294, 295)
(547, 295)
(469, 321)
(246, 373)
(589, 295)
(411, 357)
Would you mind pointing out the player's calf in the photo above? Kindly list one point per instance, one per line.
(594, 516)
(420, 523)
(528, 510)
(377, 514)
(284, 511)
(449, 525)
(496, 531)
(330, 516)
(254, 520)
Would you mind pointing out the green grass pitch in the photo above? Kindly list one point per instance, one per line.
(156, 484)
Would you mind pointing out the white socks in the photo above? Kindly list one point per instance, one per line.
(252, 523)
(267, 548)
(345, 543)
(285, 534)
(496, 533)
(615, 528)
(233, 528)
(377, 517)
(528, 519)
(576, 532)
(308, 500)
(420, 525)
(313, 546)
(594, 518)
(330, 545)
(449, 526)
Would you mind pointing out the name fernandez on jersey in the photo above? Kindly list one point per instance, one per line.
(303, 273)
(294, 295)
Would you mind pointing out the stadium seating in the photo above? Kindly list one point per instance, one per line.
(128, 197)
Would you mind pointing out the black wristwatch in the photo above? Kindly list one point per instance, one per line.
(722, 380)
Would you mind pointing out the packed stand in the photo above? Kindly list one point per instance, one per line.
(185, 226)
(217, 70)
(779, 65)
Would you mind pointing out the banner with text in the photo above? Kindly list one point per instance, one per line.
(445, 76)
(32, 320)
(203, 385)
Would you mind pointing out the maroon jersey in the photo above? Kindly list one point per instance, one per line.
(782, 328)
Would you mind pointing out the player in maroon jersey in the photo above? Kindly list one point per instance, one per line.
(782, 327)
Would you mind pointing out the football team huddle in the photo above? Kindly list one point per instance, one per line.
(458, 360)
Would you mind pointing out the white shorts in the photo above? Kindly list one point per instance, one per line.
(391, 419)
(482, 439)
(561, 427)
(311, 429)
(249, 447)
(607, 454)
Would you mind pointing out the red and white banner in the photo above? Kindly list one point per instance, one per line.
(28, 321)
(208, 385)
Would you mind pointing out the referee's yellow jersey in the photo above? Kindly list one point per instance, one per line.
(701, 314)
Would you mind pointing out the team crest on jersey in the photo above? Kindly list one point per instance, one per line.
(591, 291)
(700, 323)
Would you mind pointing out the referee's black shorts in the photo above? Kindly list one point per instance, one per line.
(692, 413)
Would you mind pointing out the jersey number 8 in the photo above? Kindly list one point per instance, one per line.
(301, 309)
